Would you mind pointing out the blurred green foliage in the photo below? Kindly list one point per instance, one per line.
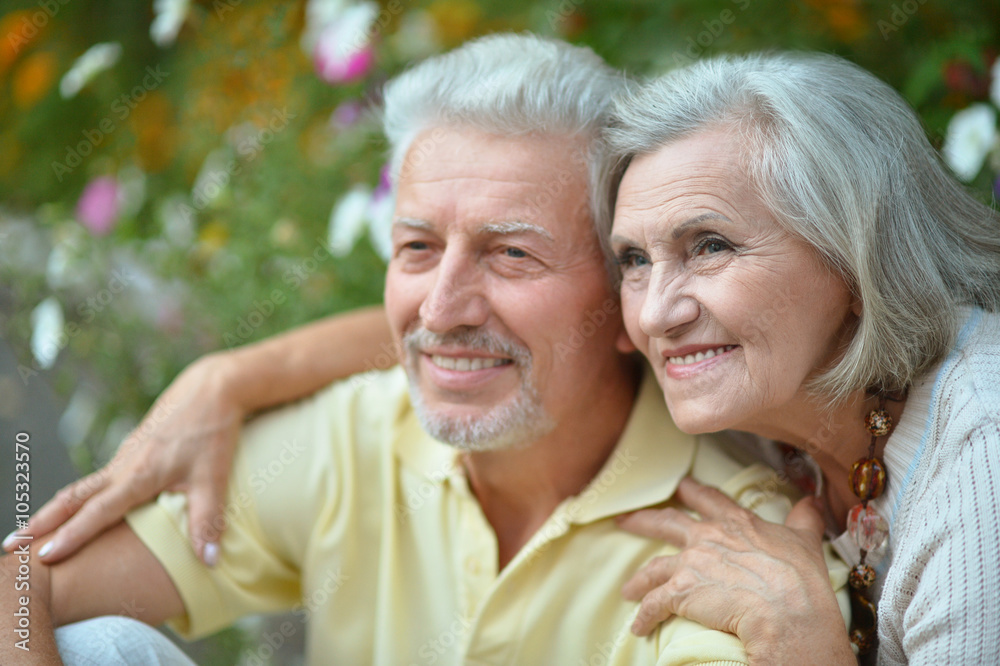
(236, 89)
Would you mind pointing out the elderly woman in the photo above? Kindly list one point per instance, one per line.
(797, 265)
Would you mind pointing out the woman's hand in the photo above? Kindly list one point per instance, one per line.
(186, 442)
(766, 583)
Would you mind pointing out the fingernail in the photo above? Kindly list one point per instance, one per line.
(8, 540)
(210, 554)
(46, 549)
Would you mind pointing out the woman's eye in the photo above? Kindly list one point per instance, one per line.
(711, 246)
(632, 259)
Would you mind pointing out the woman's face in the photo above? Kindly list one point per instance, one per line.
(734, 313)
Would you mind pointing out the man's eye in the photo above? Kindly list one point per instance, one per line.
(515, 252)
(415, 245)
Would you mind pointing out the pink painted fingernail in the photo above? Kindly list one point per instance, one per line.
(210, 554)
(46, 549)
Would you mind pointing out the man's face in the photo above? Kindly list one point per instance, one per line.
(495, 268)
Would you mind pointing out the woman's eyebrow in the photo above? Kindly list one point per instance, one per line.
(682, 228)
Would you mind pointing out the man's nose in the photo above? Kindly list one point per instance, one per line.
(668, 307)
(456, 298)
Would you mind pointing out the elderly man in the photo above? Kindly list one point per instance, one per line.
(497, 546)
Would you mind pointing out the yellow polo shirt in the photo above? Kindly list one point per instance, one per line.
(342, 509)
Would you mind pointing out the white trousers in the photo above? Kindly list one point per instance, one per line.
(116, 641)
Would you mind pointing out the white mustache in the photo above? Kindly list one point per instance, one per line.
(418, 339)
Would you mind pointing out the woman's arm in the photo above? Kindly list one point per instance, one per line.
(187, 439)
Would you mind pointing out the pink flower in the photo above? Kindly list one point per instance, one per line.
(98, 207)
(344, 51)
(384, 186)
(348, 113)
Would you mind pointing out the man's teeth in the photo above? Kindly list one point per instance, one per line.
(466, 364)
(700, 356)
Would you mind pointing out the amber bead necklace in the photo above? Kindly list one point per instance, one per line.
(869, 531)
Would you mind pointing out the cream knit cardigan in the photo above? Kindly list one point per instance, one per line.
(940, 582)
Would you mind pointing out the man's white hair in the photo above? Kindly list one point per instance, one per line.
(509, 84)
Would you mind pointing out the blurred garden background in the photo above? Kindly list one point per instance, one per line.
(181, 176)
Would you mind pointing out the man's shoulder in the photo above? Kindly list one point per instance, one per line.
(380, 394)
(733, 462)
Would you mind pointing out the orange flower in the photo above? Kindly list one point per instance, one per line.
(17, 32)
(847, 22)
(33, 78)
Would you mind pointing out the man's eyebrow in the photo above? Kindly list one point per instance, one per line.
(515, 227)
(694, 221)
(412, 223)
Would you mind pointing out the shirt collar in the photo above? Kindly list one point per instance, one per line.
(651, 458)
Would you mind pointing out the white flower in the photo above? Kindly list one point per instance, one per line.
(348, 219)
(170, 16)
(47, 332)
(177, 220)
(78, 418)
(69, 264)
(213, 179)
(319, 15)
(344, 51)
(971, 135)
(380, 223)
(132, 189)
(97, 58)
(995, 85)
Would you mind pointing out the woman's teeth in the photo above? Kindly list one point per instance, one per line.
(700, 356)
(463, 364)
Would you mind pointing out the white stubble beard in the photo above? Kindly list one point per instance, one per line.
(514, 423)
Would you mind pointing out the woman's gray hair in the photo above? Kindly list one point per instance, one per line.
(510, 84)
(842, 162)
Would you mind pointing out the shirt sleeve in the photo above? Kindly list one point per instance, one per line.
(953, 615)
(279, 486)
